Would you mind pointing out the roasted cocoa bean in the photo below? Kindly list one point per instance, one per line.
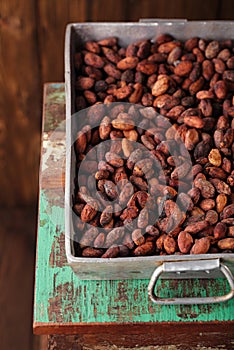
(201, 246)
(191, 84)
(169, 244)
(114, 236)
(220, 230)
(147, 248)
(226, 243)
(185, 242)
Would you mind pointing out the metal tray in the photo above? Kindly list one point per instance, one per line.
(186, 266)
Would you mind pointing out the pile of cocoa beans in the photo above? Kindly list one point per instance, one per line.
(155, 151)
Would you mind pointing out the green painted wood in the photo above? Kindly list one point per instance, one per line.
(60, 297)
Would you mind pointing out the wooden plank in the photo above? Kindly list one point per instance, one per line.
(20, 102)
(106, 11)
(187, 9)
(40, 342)
(226, 10)
(53, 18)
(16, 276)
(65, 304)
(188, 339)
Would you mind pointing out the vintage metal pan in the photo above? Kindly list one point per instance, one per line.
(186, 266)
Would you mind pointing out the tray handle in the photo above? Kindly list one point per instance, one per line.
(178, 267)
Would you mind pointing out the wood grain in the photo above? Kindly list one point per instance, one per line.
(20, 101)
(106, 11)
(16, 276)
(190, 337)
(53, 17)
(185, 9)
(226, 10)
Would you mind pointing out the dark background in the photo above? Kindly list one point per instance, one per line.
(31, 53)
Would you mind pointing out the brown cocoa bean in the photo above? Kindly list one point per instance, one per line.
(196, 86)
(90, 252)
(221, 186)
(207, 204)
(231, 231)
(137, 237)
(123, 124)
(144, 249)
(161, 85)
(114, 236)
(211, 217)
(89, 236)
(206, 188)
(215, 157)
(216, 172)
(220, 230)
(139, 183)
(194, 122)
(212, 49)
(143, 218)
(166, 101)
(106, 215)
(131, 135)
(88, 213)
(129, 213)
(207, 69)
(111, 252)
(102, 174)
(126, 193)
(111, 55)
(111, 41)
(81, 142)
(84, 83)
(105, 128)
(137, 93)
(128, 63)
(99, 240)
(94, 60)
(221, 201)
(169, 245)
(111, 70)
(181, 171)
(196, 227)
(147, 67)
(191, 139)
(227, 211)
(201, 246)
(142, 167)
(110, 189)
(114, 159)
(185, 242)
(226, 243)
(220, 89)
(183, 68)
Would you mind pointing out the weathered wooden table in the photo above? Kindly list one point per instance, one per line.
(79, 314)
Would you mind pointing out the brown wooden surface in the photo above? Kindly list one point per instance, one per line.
(16, 278)
(31, 45)
(188, 337)
(20, 101)
(189, 9)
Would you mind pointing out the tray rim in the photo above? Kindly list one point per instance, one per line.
(73, 260)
